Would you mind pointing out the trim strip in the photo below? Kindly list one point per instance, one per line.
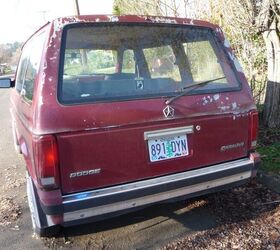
(159, 181)
(141, 201)
(150, 135)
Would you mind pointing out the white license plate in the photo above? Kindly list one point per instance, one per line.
(168, 148)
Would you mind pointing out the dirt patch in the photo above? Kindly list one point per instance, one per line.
(12, 178)
(249, 218)
(9, 211)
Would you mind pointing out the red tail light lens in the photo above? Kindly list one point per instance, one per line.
(253, 130)
(46, 161)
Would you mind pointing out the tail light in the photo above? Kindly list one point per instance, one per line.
(46, 162)
(253, 130)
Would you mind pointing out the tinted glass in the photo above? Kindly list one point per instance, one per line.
(33, 65)
(22, 68)
(124, 62)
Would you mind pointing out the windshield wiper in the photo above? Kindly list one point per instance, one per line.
(190, 87)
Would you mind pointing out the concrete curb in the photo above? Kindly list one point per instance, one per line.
(271, 181)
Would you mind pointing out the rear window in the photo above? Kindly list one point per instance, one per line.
(110, 62)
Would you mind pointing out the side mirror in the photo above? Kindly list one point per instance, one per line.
(6, 83)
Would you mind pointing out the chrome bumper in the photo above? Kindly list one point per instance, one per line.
(128, 196)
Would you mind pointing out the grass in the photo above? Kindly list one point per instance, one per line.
(270, 157)
(269, 148)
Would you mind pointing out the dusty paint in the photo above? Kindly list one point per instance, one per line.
(162, 20)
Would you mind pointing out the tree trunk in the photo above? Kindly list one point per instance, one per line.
(272, 99)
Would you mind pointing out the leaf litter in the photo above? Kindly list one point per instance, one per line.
(248, 218)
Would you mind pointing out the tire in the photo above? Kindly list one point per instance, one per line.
(39, 219)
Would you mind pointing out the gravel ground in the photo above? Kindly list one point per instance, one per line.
(249, 218)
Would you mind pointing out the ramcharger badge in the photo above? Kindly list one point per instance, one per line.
(231, 146)
(86, 172)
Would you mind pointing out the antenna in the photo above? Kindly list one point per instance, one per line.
(77, 8)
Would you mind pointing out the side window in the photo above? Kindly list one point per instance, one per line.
(161, 63)
(128, 62)
(86, 62)
(204, 63)
(29, 66)
(22, 68)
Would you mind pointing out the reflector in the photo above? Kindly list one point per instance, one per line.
(45, 156)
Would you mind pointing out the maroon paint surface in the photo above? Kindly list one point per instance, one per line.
(110, 136)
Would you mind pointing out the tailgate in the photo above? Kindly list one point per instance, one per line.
(110, 156)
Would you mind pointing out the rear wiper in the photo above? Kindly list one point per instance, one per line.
(190, 87)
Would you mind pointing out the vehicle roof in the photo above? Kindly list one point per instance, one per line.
(60, 22)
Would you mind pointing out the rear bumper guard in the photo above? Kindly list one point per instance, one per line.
(124, 197)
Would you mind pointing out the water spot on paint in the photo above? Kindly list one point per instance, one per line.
(113, 18)
(224, 108)
(216, 97)
(234, 105)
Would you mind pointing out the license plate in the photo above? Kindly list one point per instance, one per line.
(168, 148)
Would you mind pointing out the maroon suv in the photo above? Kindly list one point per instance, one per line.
(113, 113)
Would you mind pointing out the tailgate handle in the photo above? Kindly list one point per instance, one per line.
(150, 135)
